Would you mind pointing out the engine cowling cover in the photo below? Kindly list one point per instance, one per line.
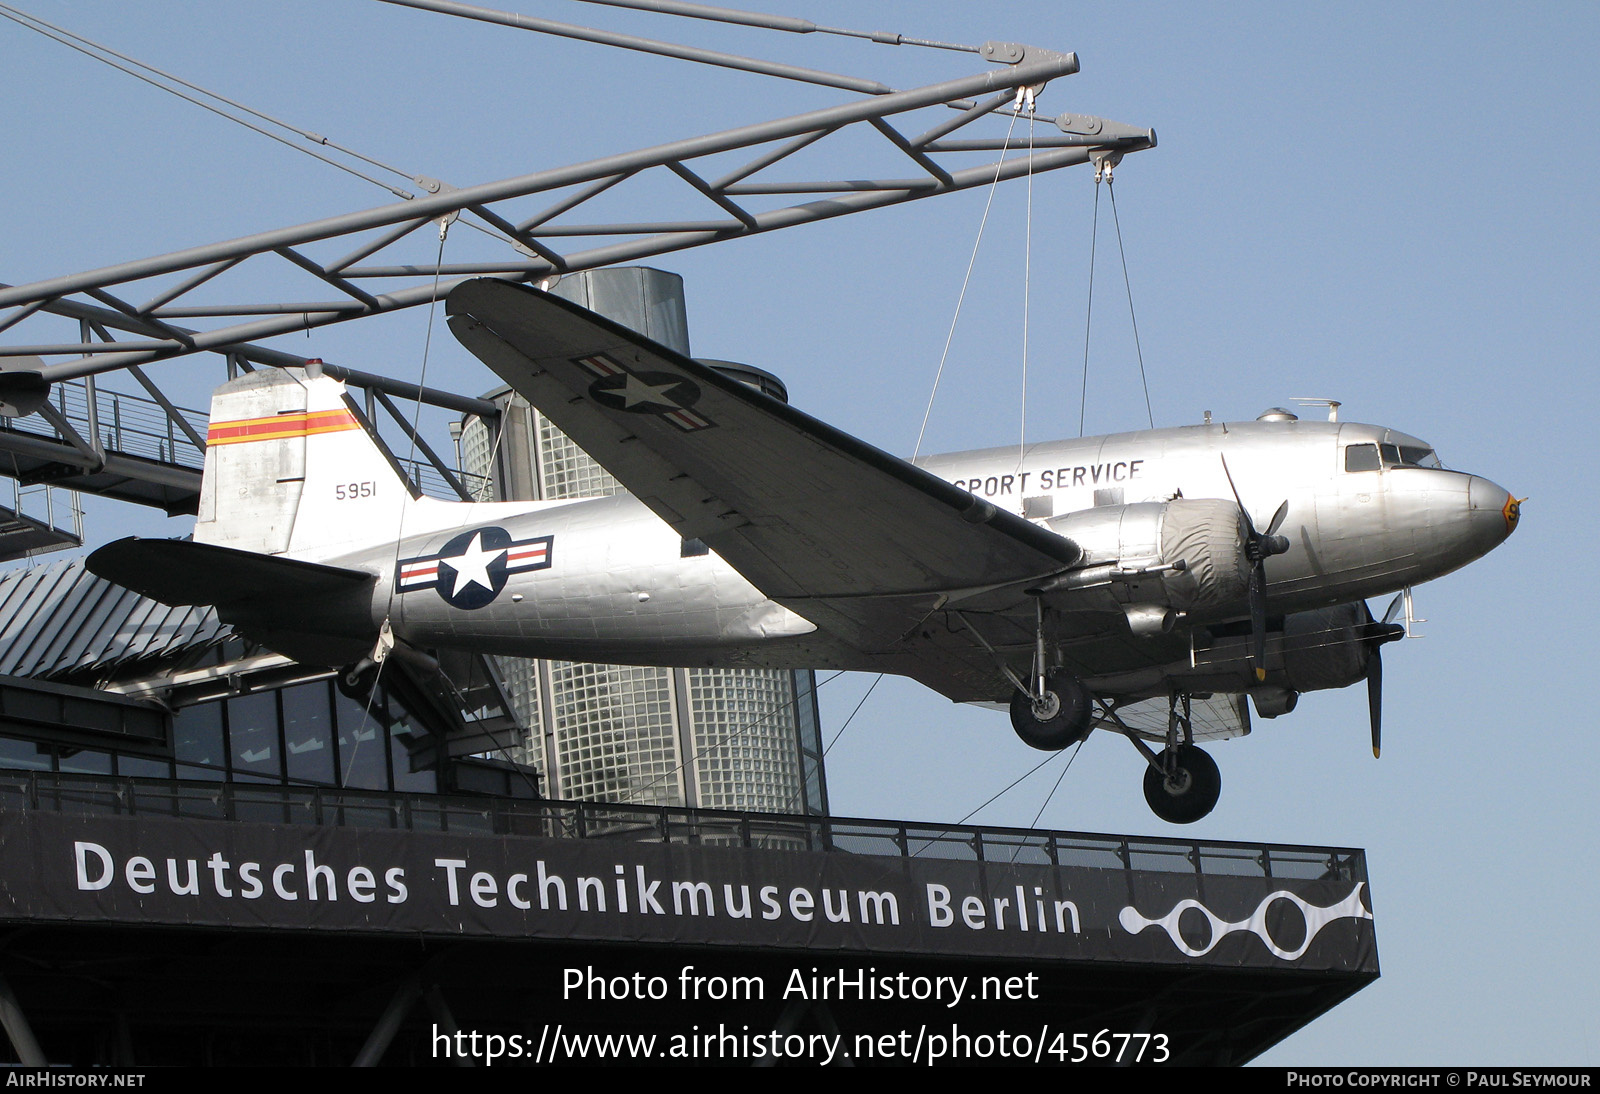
(1207, 535)
(1325, 648)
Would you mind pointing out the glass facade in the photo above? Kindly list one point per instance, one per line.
(308, 734)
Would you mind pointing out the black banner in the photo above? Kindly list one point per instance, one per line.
(228, 874)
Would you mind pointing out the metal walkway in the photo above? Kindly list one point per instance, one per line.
(146, 450)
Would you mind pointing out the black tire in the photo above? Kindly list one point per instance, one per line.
(356, 681)
(1071, 722)
(1198, 786)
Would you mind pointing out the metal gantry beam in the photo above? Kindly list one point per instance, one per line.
(84, 438)
(537, 247)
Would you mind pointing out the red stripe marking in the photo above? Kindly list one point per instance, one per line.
(601, 365)
(280, 427)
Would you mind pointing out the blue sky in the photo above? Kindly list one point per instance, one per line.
(1390, 205)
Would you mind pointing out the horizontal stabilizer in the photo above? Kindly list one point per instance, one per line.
(182, 572)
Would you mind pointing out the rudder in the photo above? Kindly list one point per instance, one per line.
(291, 470)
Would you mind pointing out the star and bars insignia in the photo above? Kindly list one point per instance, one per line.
(469, 571)
(660, 393)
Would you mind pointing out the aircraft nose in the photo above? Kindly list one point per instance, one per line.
(1492, 512)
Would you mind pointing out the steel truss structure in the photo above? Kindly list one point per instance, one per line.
(157, 309)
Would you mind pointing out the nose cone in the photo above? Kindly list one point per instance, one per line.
(1492, 514)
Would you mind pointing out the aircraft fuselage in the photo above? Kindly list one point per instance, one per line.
(605, 579)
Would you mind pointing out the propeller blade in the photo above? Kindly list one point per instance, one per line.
(1277, 518)
(1258, 620)
(1394, 608)
(1248, 523)
(1375, 699)
(1257, 547)
(1374, 635)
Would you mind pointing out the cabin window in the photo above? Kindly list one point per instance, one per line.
(1361, 457)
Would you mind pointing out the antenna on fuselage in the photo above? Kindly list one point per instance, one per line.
(1333, 405)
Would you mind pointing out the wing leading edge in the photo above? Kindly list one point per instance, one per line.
(812, 516)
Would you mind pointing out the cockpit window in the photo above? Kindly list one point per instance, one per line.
(1361, 457)
(1370, 457)
(1418, 456)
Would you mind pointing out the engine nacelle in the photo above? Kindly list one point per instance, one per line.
(1120, 542)
(1325, 648)
(1314, 651)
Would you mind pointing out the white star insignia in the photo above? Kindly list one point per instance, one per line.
(636, 391)
(472, 565)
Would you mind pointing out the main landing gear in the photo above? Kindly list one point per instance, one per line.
(1052, 710)
(1060, 715)
(1182, 783)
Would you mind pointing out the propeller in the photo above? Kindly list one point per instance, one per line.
(1258, 547)
(1374, 635)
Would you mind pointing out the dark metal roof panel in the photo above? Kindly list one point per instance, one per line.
(38, 589)
(59, 618)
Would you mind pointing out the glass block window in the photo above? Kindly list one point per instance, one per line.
(521, 679)
(476, 448)
(744, 740)
(568, 471)
(615, 733)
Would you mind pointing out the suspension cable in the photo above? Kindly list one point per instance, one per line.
(1027, 284)
(87, 47)
(1112, 192)
(875, 682)
(774, 22)
(1043, 805)
(992, 799)
(416, 419)
(1088, 315)
(416, 415)
(962, 296)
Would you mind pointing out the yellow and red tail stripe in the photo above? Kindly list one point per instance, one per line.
(281, 426)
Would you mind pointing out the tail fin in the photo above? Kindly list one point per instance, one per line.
(290, 470)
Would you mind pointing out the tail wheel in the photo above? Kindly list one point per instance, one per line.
(1185, 787)
(1062, 716)
(356, 681)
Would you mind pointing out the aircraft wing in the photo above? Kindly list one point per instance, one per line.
(862, 542)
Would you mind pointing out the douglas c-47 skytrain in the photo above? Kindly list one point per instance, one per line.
(1142, 582)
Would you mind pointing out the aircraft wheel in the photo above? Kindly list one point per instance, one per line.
(356, 681)
(1060, 719)
(1192, 791)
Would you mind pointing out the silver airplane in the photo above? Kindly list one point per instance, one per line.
(1142, 582)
